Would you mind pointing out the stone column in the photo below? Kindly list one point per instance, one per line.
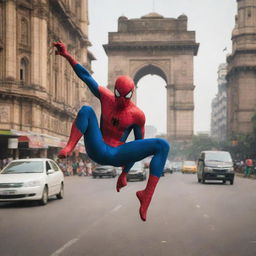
(39, 49)
(43, 53)
(84, 17)
(35, 45)
(171, 121)
(10, 45)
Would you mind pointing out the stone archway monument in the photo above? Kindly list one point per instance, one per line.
(158, 46)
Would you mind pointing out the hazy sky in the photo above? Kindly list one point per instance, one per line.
(213, 21)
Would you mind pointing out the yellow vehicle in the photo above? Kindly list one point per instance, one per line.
(188, 167)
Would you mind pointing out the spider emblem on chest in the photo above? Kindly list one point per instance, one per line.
(115, 121)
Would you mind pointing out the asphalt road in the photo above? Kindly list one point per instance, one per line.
(185, 219)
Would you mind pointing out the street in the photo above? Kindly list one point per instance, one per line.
(185, 218)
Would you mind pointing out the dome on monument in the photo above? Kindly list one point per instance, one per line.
(183, 17)
(123, 17)
(152, 15)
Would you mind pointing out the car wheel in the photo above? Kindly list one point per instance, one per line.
(44, 199)
(199, 180)
(60, 195)
(203, 180)
(224, 181)
(232, 182)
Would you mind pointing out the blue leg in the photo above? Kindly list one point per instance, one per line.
(125, 154)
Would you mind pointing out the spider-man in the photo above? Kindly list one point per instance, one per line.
(119, 116)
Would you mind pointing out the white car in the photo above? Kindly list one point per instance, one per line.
(31, 179)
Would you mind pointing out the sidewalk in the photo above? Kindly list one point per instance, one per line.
(239, 174)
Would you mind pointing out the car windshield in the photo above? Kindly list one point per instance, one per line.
(218, 157)
(177, 164)
(24, 167)
(189, 163)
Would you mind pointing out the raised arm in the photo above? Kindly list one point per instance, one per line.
(138, 132)
(139, 129)
(81, 71)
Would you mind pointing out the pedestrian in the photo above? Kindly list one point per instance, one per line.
(88, 166)
(69, 168)
(74, 167)
(248, 167)
(82, 171)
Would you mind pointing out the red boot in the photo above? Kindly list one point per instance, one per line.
(121, 182)
(145, 196)
(75, 136)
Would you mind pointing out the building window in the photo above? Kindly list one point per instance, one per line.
(24, 70)
(24, 31)
(249, 13)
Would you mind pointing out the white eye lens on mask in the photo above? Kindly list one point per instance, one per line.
(117, 93)
(129, 95)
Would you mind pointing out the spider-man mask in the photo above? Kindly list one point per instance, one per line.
(124, 88)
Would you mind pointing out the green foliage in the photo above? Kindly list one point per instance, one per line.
(241, 146)
(191, 151)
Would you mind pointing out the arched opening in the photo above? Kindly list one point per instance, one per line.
(152, 99)
(149, 69)
(24, 70)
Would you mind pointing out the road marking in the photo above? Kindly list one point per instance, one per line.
(163, 242)
(64, 247)
(73, 241)
(116, 208)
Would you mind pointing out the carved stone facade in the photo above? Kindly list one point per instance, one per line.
(241, 77)
(219, 107)
(160, 46)
(39, 92)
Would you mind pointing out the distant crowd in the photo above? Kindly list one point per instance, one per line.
(247, 167)
(80, 167)
(69, 167)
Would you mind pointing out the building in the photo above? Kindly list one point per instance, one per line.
(163, 46)
(219, 107)
(39, 92)
(241, 76)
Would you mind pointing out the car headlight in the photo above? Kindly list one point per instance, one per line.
(32, 183)
(208, 169)
(231, 169)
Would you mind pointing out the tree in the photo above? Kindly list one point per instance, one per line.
(191, 150)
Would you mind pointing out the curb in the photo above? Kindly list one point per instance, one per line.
(241, 175)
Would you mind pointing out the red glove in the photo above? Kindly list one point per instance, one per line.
(62, 50)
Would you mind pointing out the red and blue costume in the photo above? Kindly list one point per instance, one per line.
(119, 116)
